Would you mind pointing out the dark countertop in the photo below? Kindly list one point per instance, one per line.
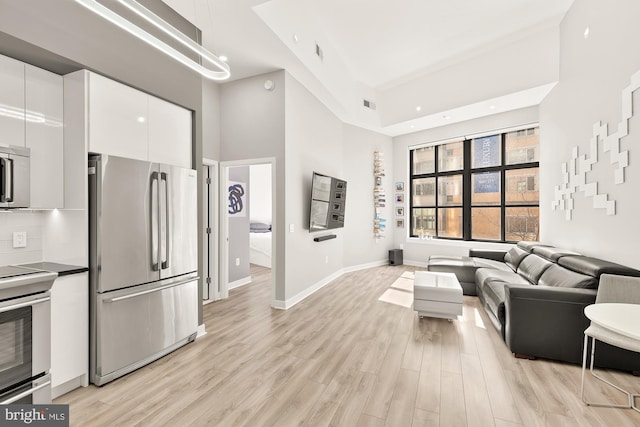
(61, 269)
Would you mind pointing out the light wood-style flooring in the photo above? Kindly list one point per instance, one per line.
(341, 357)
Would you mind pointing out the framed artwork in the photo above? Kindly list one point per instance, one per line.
(399, 211)
(400, 223)
(399, 186)
(399, 197)
(237, 199)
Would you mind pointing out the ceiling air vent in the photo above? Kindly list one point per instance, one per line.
(319, 52)
(369, 104)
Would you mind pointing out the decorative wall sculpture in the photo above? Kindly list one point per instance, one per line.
(574, 172)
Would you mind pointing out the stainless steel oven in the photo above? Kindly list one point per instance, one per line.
(25, 335)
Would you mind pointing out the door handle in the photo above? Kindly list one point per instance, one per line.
(154, 221)
(150, 291)
(165, 224)
(6, 195)
(26, 393)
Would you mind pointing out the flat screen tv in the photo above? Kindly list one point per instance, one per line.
(328, 196)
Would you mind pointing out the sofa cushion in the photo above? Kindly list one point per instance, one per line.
(514, 257)
(489, 263)
(532, 267)
(494, 300)
(595, 267)
(565, 278)
(485, 276)
(528, 246)
(462, 266)
(551, 253)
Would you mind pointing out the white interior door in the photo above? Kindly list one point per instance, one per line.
(211, 284)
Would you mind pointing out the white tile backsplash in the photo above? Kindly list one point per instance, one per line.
(29, 221)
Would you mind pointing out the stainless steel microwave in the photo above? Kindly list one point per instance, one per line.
(14, 177)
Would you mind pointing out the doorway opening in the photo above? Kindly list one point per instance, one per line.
(247, 223)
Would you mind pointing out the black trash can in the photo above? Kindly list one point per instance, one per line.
(395, 257)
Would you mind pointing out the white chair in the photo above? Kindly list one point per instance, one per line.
(612, 289)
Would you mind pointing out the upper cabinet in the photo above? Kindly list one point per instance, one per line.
(117, 119)
(44, 136)
(11, 102)
(126, 122)
(31, 115)
(169, 133)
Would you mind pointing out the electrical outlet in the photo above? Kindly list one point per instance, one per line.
(237, 262)
(326, 259)
(19, 239)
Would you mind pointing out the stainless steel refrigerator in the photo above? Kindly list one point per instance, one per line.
(143, 263)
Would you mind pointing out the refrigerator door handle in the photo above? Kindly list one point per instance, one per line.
(154, 221)
(165, 222)
(150, 291)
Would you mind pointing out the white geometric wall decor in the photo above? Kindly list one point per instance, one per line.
(574, 172)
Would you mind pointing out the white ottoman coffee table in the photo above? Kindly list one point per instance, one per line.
(437, 295)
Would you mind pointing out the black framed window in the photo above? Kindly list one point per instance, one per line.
(483, 188)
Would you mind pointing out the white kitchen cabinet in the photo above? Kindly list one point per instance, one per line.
(44, 136)
(69, 333)
(117, 119)
(126, 122)
(169, 133)
(11, 102)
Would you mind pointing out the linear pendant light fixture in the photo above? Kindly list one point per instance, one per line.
(167, 28)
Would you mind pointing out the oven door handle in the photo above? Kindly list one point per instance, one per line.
(24, 304)
(26, 393)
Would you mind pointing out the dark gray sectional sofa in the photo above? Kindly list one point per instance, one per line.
(535, 296)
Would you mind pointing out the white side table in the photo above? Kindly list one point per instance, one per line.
(437, 295)
(615, 324)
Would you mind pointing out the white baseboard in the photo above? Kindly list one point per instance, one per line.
(415, 263)
(365, 266)
(201, 331)
(239, 282)
(72, 384)
(285, 305)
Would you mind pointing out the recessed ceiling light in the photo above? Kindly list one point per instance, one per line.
(586, 33)
(296, 39)
(418, 108)
(492, 107)
(446, 117)
(141, 119)
(412, 126)
(223, 58)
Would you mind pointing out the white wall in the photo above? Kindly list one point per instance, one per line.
(358, 146)
(313, 143)
(261, 194)
(210, 119)
(252, 126)
(239, 229)
(593, 73)
(417, 251)
(11, 221)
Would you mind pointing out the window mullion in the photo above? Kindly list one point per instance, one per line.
(466, 191)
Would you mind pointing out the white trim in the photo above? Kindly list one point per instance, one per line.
(68, 386)
(285, 305)
(415, 263)
(201, 331)
(239, 282)
(224, 221)
(214, 244)
(461, 138)
(365, 266)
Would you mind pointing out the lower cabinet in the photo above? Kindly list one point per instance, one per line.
(69, 333)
